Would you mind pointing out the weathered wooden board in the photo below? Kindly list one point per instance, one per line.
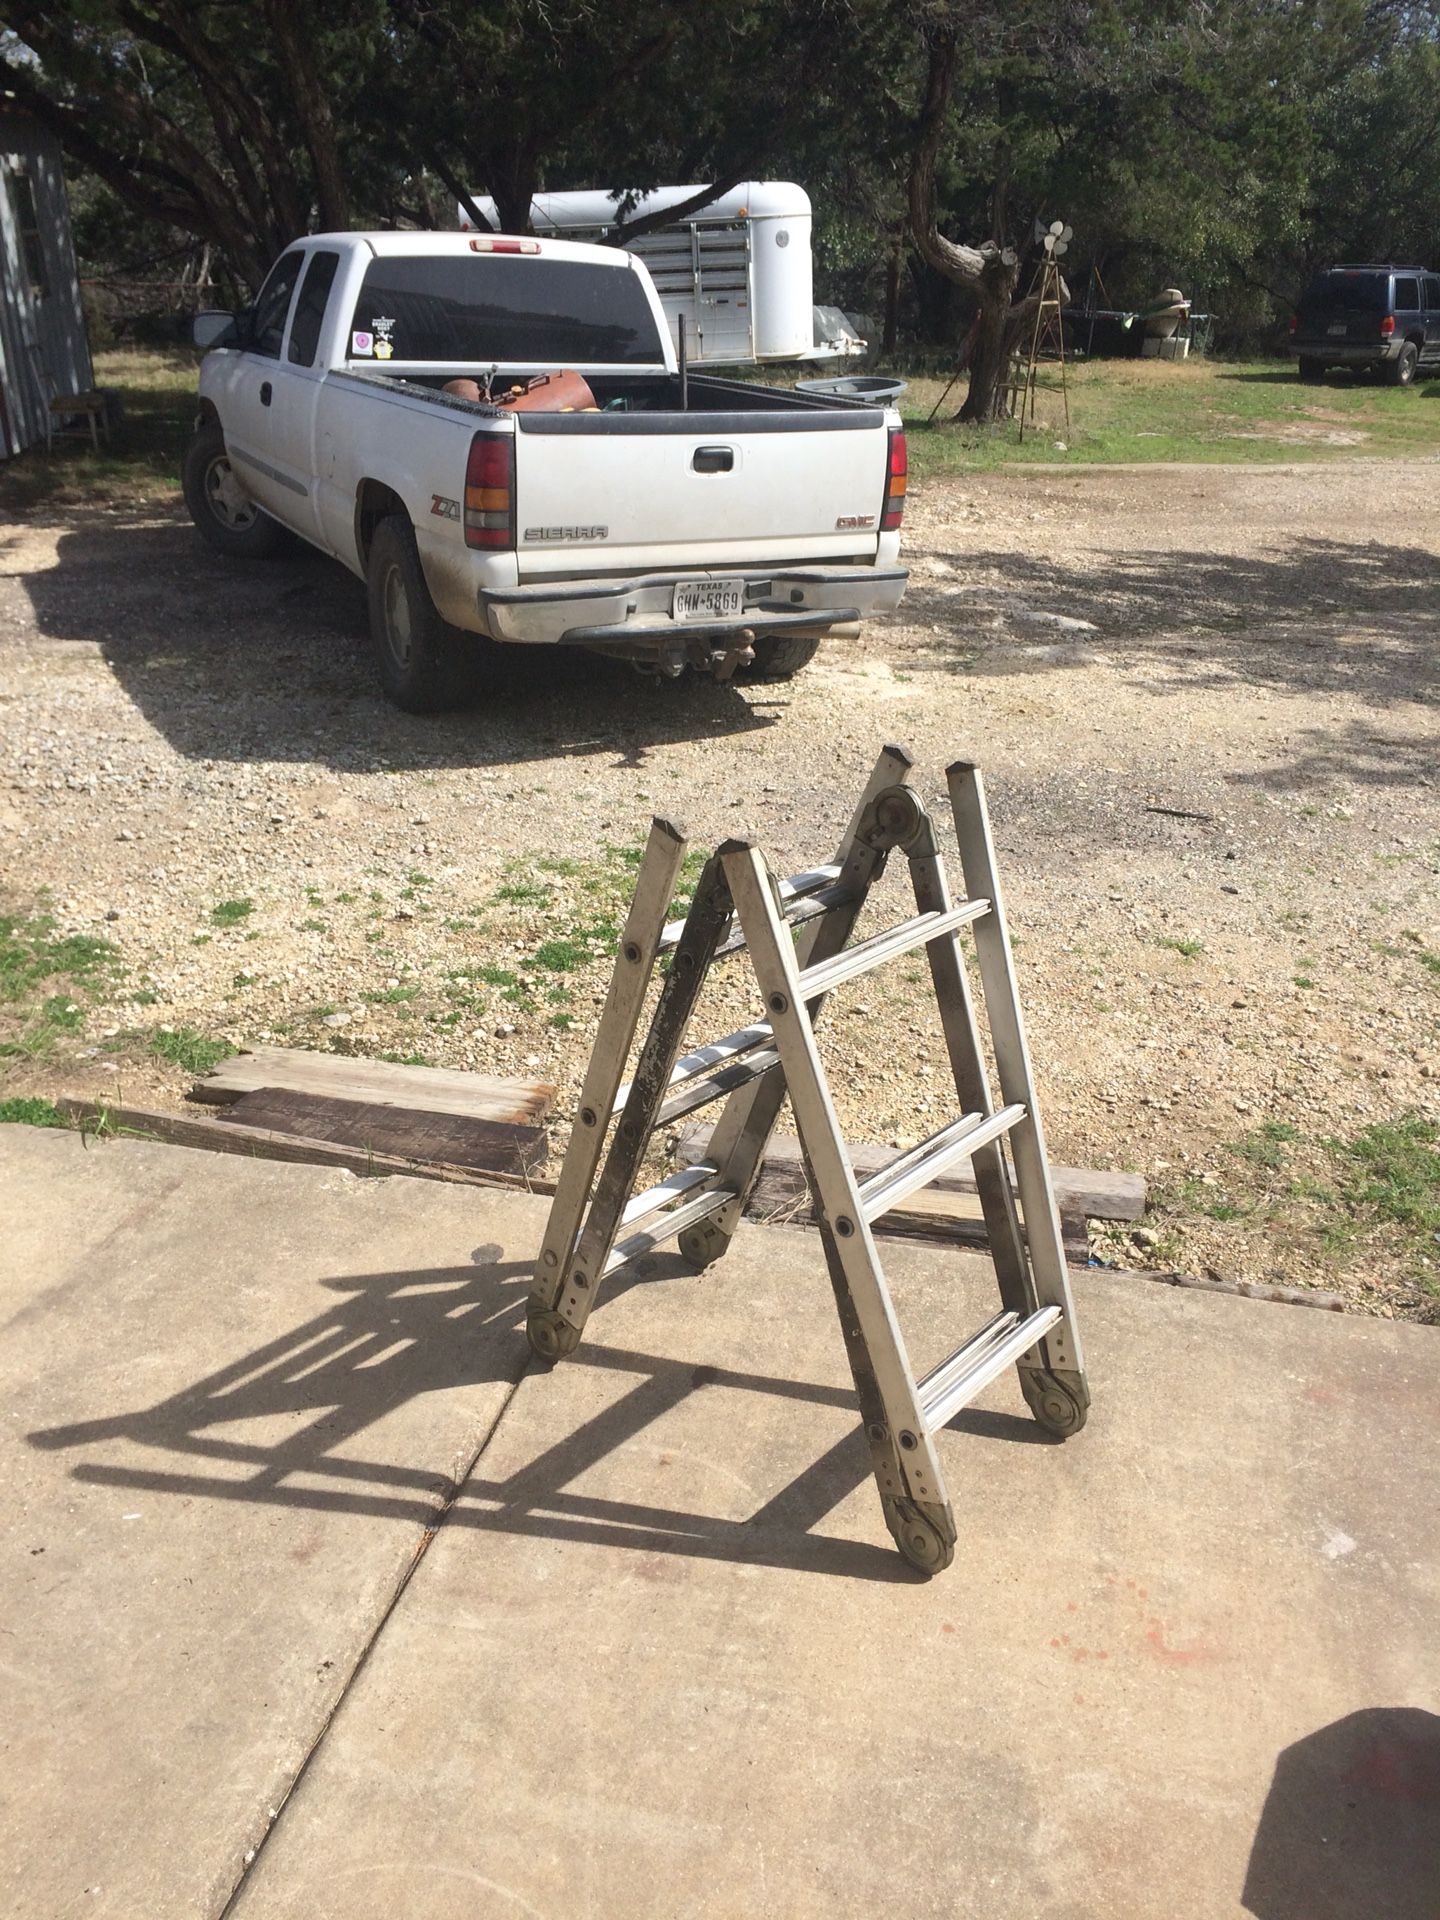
(1093, 1192)
(447, 1139)
(379, 1082)
(262, 1143)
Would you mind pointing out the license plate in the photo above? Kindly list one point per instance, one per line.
(708, 599)
(1338, 327)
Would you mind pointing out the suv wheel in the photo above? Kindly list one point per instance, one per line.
(1311, 369)
(1401, 370)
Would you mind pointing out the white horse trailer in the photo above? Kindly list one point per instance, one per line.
(738, 271)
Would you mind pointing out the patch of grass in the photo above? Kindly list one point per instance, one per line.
(525, 893)
(157, 393)
(29, 1111)
(406, 1059)
(230, 913)
(1187, 949)
(1143, 411)
(184, 1047)
(1265, 1146)
(390, 996)
(345, 899)
(561, 956)
(564, 1021)
(1303, 980)
(1391, 1172)
(31, 952)
(314, 926)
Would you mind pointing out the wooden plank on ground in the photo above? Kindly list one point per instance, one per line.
(1094, 1192)
(447, 1139)
(262, 1143)
(379, 1082)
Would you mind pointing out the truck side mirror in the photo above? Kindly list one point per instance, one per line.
(215, 328)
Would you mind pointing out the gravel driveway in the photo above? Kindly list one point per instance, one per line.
(1204, 699)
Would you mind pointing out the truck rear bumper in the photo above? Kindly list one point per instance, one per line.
(636, 616)
(1343, 353)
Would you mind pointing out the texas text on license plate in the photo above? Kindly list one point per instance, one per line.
(708, 599)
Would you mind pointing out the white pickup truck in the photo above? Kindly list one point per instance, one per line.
(678, 521)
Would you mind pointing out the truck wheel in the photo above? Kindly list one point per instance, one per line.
(227, 518)
(1311, 369)
(425, 665)
(1401, 370)
(780, 656)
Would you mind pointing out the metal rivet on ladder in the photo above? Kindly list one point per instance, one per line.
(909, 1442)
(844, 1226)
(777, 1003)
(579, 1280)
(587, 1116)
(552, 1259)
(632, 951)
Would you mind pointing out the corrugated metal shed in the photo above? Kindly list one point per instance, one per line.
(43, 346)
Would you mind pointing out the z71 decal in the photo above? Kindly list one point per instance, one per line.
(447, 509)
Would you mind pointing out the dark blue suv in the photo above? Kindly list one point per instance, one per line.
(1383, 317)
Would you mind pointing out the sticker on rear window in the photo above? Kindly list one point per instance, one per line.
(362, 343)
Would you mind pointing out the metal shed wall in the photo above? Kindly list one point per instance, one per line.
(43, 344)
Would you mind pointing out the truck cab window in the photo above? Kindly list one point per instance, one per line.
(267, 319)
(310, 308)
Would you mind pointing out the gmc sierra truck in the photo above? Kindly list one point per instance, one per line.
(670, 520)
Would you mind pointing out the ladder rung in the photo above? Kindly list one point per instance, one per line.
(690, 1066)
(956, 1381)
(887, 946)
(646, 1205)
(799, 887)
(667, 1226)
(699, 1093)
(918, 1167)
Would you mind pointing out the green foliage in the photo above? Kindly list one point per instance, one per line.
(29, 1112)
(1392, 1173)
(230, 913)
(184, 1047)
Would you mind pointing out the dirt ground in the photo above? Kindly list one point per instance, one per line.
(1204, 700)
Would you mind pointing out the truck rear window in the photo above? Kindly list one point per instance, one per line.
(1346, 293)
(475, 311)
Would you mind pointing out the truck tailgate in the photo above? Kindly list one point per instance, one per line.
(600, 491)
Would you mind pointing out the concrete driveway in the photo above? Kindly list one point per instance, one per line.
(317, 1601)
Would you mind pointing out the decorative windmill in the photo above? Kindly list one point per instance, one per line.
(1047, 337)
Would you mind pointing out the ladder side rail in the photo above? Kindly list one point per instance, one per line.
(743, 1130)
(910, 1477)
(709, 914)
(655, 884)
(972, 1082)
(1061, 1346)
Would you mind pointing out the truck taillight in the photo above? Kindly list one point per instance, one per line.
(895, 482)
(490, 491)
(1294, 323)
(1387, 325)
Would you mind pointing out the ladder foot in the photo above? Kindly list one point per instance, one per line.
(925, 1534)
(1059, 1401)
(551, 1336)
(701, 1246)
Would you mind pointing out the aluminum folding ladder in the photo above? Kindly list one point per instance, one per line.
(599, 1225)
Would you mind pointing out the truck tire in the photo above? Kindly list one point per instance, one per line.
(780, 656)
(1400, 371)
(1311, 369)
(227, 518)
(424, 664)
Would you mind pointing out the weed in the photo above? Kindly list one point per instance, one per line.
(230, 913)
(1187, 949)
(1303, 980)
(1265, 1147)
(31, 1112)
(406, 1059)
(564, 1021)
(390, 996)
(31, 953)
(345, 899)
(314, 926)
(200, 939)
(1392, 1172)
(183, 1047)
(561, 956)
(525, 893)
